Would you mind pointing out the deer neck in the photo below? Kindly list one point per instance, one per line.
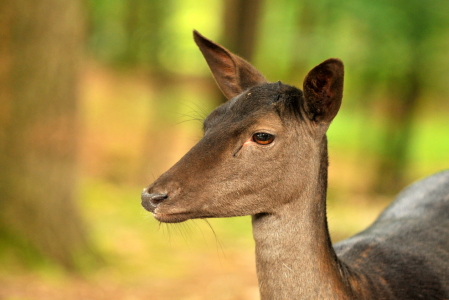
(294, 255)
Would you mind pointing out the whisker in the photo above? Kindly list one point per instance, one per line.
(219, 244)
(198, 109)
(196, 113)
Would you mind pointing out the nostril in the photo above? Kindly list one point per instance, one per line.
(155, 199)
(152, 200)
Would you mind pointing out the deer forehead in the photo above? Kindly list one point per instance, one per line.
(262, 105)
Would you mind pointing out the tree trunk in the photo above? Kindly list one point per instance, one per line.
(40, 48)
(241, 19)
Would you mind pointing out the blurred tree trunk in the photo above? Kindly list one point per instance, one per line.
(40, 48)
(241, 19)
(241, 24)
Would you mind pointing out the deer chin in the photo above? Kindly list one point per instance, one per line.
(173, 214)
(171, 218)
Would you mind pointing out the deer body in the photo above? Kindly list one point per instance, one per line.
(264, 154)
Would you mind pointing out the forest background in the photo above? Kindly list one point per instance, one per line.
(99, 97)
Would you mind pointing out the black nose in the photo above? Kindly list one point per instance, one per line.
(151, 200)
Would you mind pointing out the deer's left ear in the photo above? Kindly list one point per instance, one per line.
(323, 90)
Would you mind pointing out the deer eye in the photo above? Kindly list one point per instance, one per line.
(263, 138)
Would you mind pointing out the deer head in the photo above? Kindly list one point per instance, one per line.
(260, 148)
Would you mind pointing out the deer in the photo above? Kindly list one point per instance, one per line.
(264, 154)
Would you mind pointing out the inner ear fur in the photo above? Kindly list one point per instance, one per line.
(323, 90)
(232, 73)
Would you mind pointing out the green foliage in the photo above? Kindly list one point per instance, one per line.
(155, 35)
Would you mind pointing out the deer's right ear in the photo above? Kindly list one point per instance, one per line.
(323, 90)
(232, 73)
